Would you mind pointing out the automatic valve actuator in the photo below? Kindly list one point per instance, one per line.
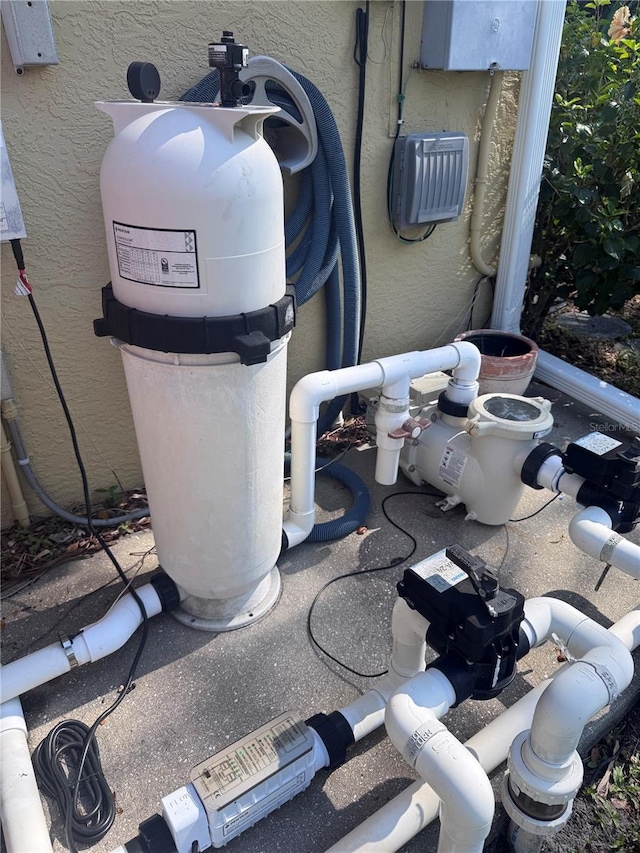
(474, 625)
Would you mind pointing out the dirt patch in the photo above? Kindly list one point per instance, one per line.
(616, 362)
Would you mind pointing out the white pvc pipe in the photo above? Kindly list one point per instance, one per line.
(579, 692)
(534, 110)
(590, 531)
(413, 724)
(92, 643)
(627, 629)
(24, 827)
(545, 617)
(408, 629)
(391, 373)
(553, 476)
(404, 816)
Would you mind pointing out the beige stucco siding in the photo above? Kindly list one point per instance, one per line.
(56, 139)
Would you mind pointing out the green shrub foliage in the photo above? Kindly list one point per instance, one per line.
(588, 218)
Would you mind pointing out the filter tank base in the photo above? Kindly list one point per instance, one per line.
(228, 614)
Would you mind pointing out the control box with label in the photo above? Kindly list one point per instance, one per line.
(476, 35)
(249, 779)
(473, 623)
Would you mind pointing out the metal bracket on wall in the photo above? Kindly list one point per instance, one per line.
(27, 24)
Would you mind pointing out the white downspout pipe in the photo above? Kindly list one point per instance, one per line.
(534, 110)
(92, 643)
(393, 375)
(590, 531)
(24, 827)
(413, 724)
(408, 629)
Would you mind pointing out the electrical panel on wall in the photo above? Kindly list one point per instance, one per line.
(429, 178)
(476, 35)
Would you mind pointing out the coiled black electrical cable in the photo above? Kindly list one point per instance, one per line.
(85, 753)
(89, 813)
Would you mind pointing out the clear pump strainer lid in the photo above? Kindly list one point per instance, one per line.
(512, 416)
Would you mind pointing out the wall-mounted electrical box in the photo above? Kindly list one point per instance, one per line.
(429, 178)
(475, 35)
(27, 24)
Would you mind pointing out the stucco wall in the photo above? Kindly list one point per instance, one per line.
(56, 138)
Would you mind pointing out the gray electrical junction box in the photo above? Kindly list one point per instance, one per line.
(476, 35)
(429, 178)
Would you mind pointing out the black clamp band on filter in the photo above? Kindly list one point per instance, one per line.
(249, 335)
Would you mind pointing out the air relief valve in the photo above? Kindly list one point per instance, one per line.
(199, 308)
(230, 58)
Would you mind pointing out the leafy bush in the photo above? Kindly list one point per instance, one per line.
(587, 229)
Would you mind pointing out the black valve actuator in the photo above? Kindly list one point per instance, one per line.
(474, 625)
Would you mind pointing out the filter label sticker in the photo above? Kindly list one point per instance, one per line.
(157, 256)
(439, 571)
(598, 443)
(452, 465)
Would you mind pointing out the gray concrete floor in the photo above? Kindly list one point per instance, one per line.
(196, 692)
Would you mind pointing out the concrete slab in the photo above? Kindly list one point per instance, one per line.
(196, 692)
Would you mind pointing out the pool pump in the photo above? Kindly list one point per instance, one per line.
(198, 306)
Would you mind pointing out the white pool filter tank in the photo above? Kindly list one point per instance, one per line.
(193, 208)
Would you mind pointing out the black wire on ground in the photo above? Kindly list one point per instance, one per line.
(533, 514)
(56, 761)
(75, 813)
(397, 561)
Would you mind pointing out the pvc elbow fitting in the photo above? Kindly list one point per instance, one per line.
(308, 393)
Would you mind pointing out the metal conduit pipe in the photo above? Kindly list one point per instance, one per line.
(404, 816)
(413, 724)
(96, 641)
(482, 174)
(24, 827)
(9, 412)
(18, 503)
(590, 531)
(393, 374)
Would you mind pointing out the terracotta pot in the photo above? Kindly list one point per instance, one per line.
(508, 360)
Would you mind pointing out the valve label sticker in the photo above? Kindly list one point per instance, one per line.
(157, 256)
(439, 571)
(452, 465)
(598, 443)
